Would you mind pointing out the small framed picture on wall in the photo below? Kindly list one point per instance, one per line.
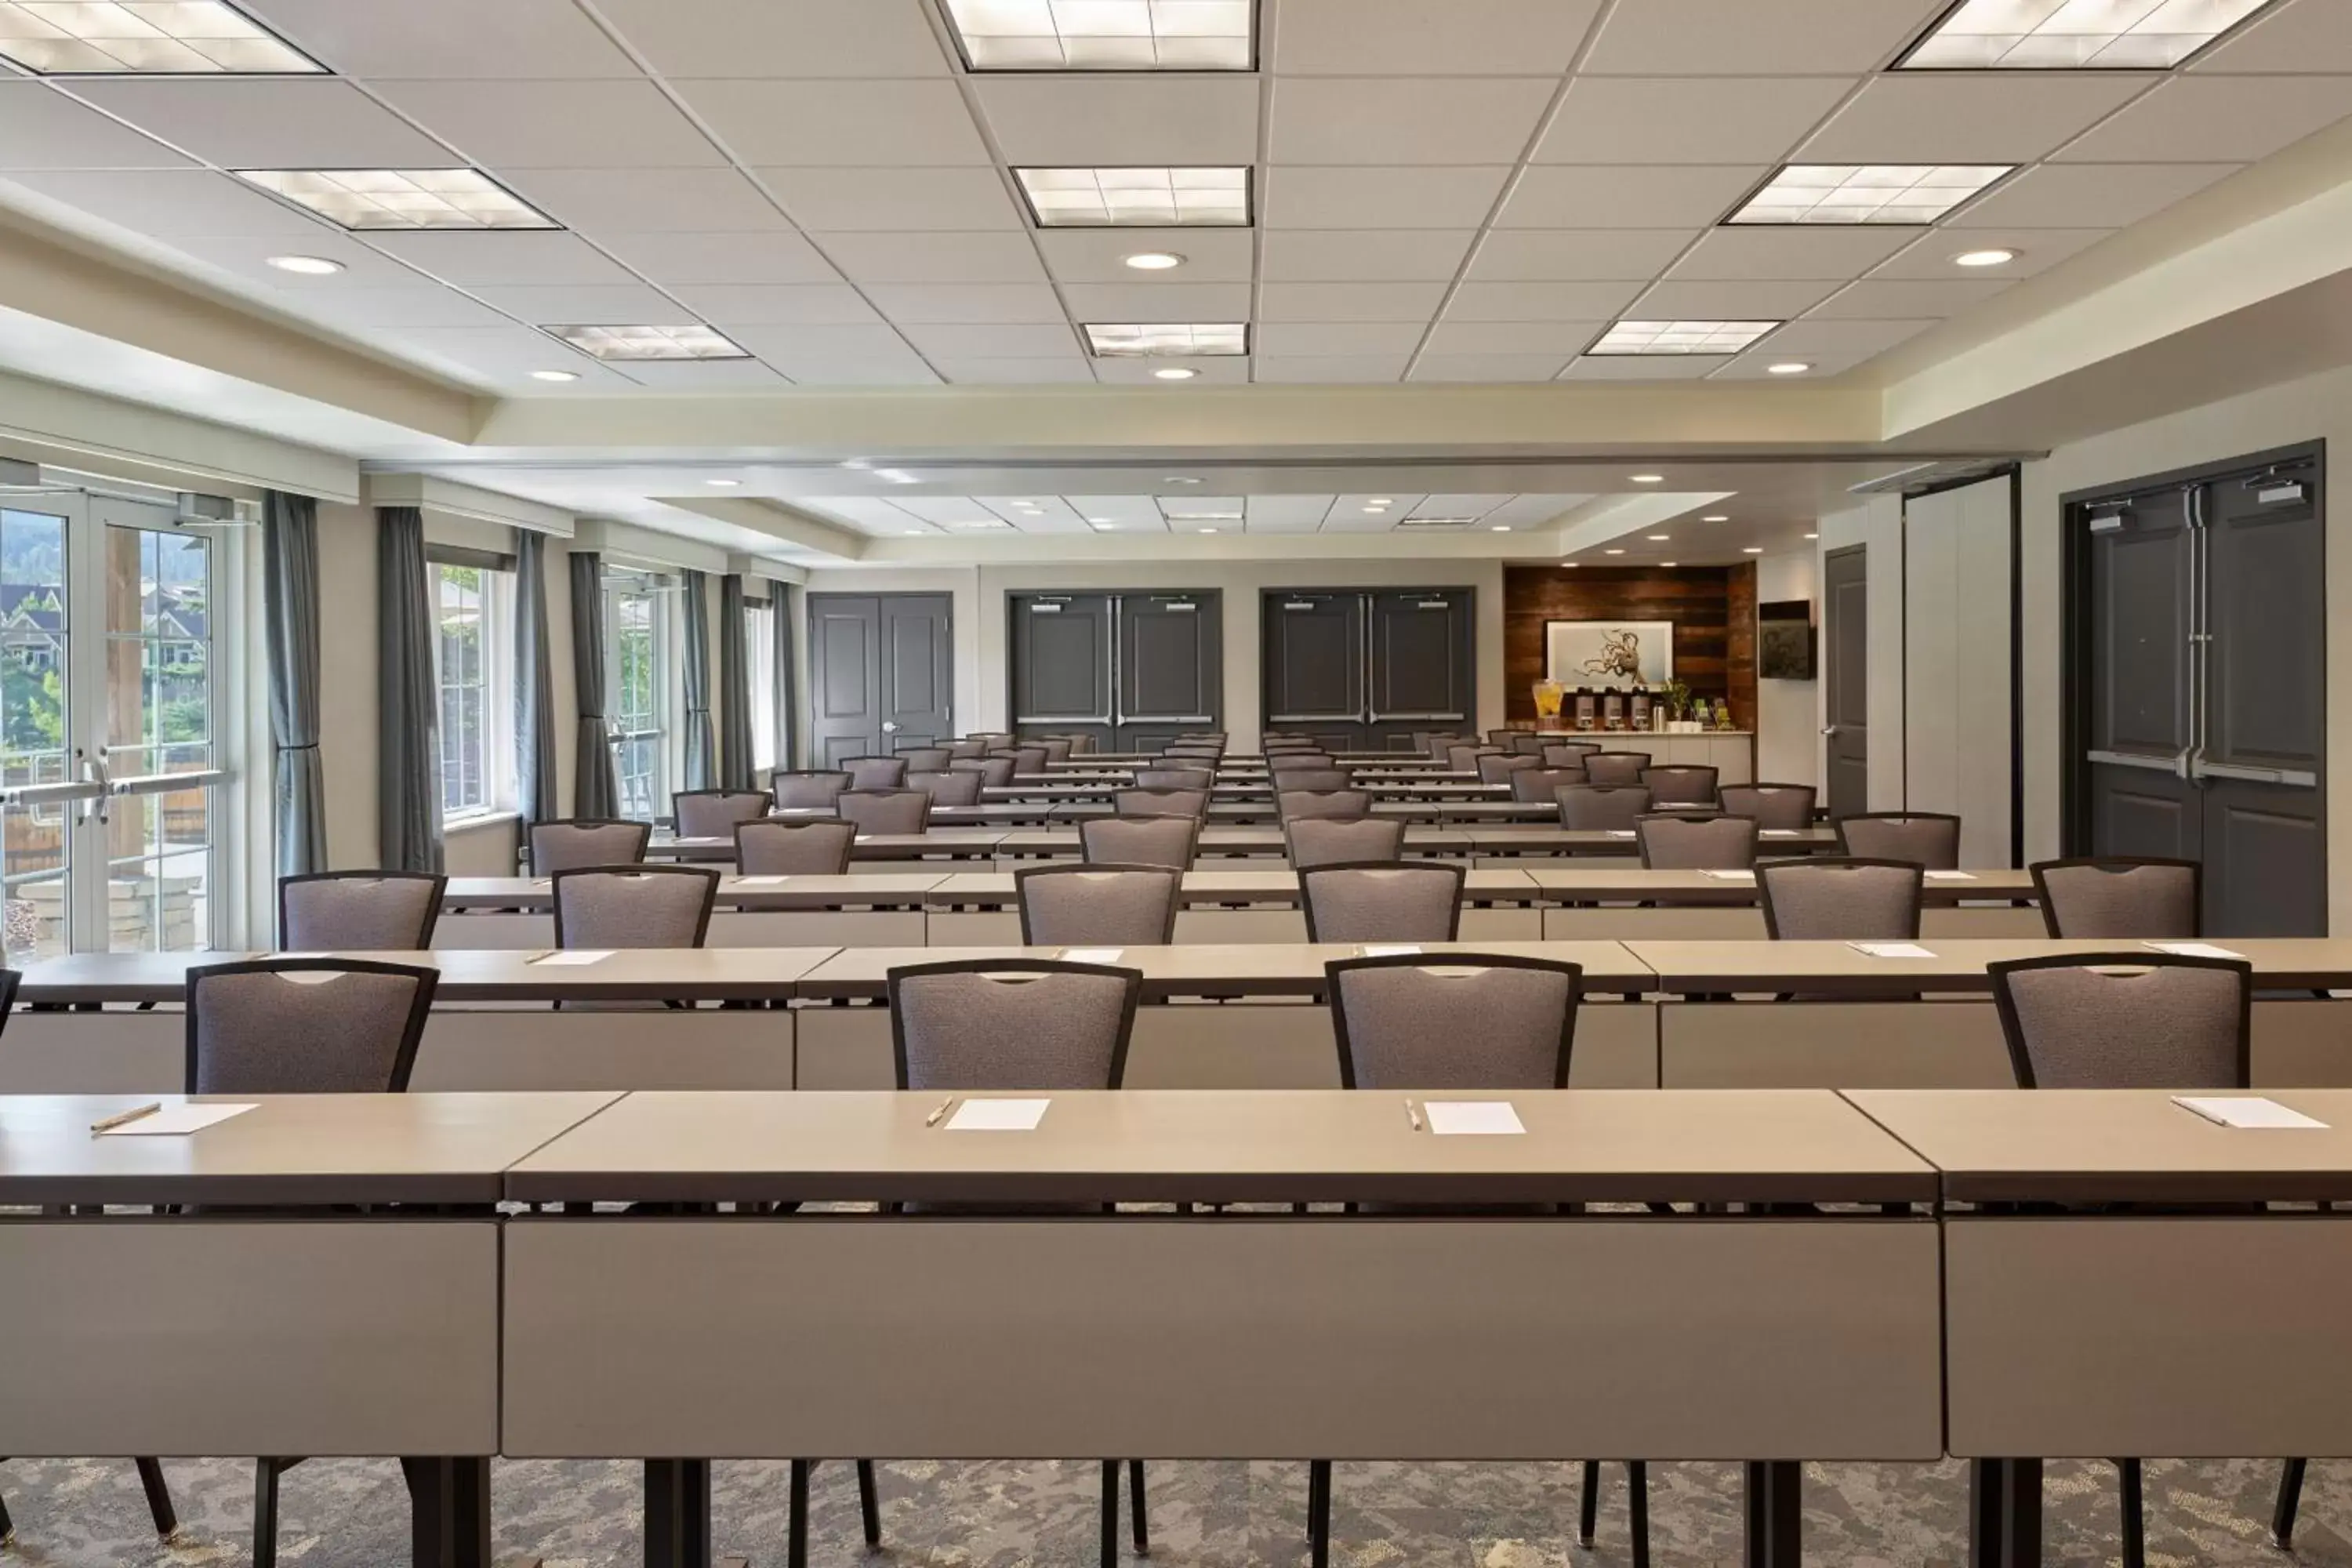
(1609, 654)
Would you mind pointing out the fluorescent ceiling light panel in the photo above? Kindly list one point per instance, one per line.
(175, 37)
(694, 342)
(1138, 198)
(1866, 193)
(1106, 35)
(1148, 339)
(2076, 35)
(1680, 337)
(402, 198)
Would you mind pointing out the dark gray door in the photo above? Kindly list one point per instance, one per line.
(1845, 596)
(1170, 667)
(1423, 664)
(1362, 670)
(1314, 668)
(2142, 576)
(881, 673)
(1064, 661)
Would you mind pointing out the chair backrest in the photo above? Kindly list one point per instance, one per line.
(2129, 1020)
(1567, 754)
(1025, 759)
(1771, 804)
(885, 810)
(1498, 770)
(1617, 767)
(305, 1026)
(1105, 906)
(1315, 841)
(1929, 838)
(2106, 896)
(1525, 744)
(359, 911)
(967, 750)
(1679, 784)
(713, 812)
(1672, 842)
(946, 789)
(1418, 1021)
(1336, 800)
(1191, 803)
(1822, 899)
(1308, 759)
(922, 759)
(795, 846)
(1166, 841)
(1543, 783)
(1602, 808)
(1500, 738)
(581, 841)
(1174, 778)
(1441, 747)
(1395, 901)
(1295, 779)
(1464, 756)
(1012, 1024)
(874, 773)
(819, 788)
(634, 906)
(1055, 747)
(995, 772)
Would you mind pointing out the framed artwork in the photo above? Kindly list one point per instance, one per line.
(1609, 654)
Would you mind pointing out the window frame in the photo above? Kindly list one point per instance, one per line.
(496, 591)
(651, 732)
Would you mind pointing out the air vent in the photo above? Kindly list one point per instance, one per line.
(1437, 523)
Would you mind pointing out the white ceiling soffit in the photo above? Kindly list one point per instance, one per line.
(467, 501)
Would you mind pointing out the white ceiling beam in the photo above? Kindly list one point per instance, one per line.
(777, 521)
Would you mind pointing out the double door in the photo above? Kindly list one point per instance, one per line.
(881, 673)
(1361, 670)
(1132, 670)
(2201, 612)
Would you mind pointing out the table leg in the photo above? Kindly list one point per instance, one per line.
(678, 1513)
(2004, 1513)
(1776, 1536)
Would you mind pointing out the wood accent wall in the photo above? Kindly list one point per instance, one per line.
(1713, 609)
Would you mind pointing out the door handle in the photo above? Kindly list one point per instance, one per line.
(2231, 770)
(1829, 729)
(2135, 760)
(890, 727)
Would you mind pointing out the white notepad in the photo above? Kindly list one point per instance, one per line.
(1386, 949)
(1779, 833)
(1618, 832)
(1730, 876)
(759, 881)
(176, 1120)
(1456, 1117)
(1951, 875)
(998, 1116)
(573, 959)
(1093, 954)
(1891, 949)
(2245, 1110)
(2192, 950)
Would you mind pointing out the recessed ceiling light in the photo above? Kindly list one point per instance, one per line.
(1105, 34)
(1150, 339)
(1680, 337)
(1374, 510)
(895, 476)
(1208, 531)
(1669, 563)
(1155, 261)
(2082, 34)
(1176, 373)
(723, 484)
(194, 38)
(1992, 256)
(1502, 528)
(1192, 515)
(1101, 523)
(1180, 479)
(1812, 536)
(555, 376)
(1138, 197)
(1788, 367)
(1571, 564)
(691, 341)
(1380, 500)
(1612, 552)
(1647, 478)
(1751, 549)
(401, 198)
(1866, 193)
(1659, 538)
(308, 266)
(1715, 517)
(913, 533)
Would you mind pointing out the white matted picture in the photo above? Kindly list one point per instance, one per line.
(1606, 654)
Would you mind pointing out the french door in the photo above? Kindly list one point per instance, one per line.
(1131, 670)
(110, 755)
(1362, 670)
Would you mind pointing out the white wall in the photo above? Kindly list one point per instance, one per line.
(1957, 663)
(1787, 712)
(1876, 524)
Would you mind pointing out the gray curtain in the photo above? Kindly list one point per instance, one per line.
(701, 767)
(788, 748)
(408, 699)
(534, 693)
(290, 566)
(596, 793)
(734, 685)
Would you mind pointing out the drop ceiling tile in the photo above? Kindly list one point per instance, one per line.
(1000, 342)
(1902, 300)
(1334, 197)
(981, 257)
(1014, 372)
(901, 125)
(1215, 370)
(1431, 38)
(556, 124)
(511, 257)
(1819, 336)
(1365, 256)
(419, 304)
(1157, 302)
(1540, 301)
(2239, 118)
(247, 255)
(267, 123)
(169, 203)
(1277, 341)
(702, 375)
(1457, 339)
(894, 200)
(1686, 119)
(509, 38)
(1388, 120)
(1969, 117)
(776, 305)
(2038, 250)
(1349, 301)
(1758, 299)
(1049, 120)
(604, 305)
(1585, 196)
(1757, 366)
(781, 39)
(1349, 513)
(1332, 369)
(838, 356)
(2298, 36)
(1534, 255)
(510, 353)
(1798, 251)
(1534, 510)
(1099, 255)
(1280, 514)
(1740, 37)
(41, 129)
(1124, 512)
(1005, 303)
(673, 260)
(1644, 367)
(649, 201)
(2086, 196)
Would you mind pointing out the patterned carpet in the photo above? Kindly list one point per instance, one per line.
(90, 1514)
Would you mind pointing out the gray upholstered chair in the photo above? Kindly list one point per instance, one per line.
(1025, 759)
(1617, 767)
(580, 841)
(1336, 800)
(1602, 808)
(1175, 778)
(1423, 1021)
(995, 772)
(1498, 769)
(1056, 748)
(359, 911)
(1775, 806)
(1525, 744)
(713, 812)
(795, 846)
(874, 773)
(1680, 783)
(1567, 754)
(1500, 739)
(922, 759)
(959, 788)
(1315, 841)
(1306, 757)
(1440, 747)
(1397, 900)
(1671, 842)
(1543, 785)
(2108, 896)
(1293, 779)
(634, 906)
(885, 810)
(1839, 900)
(1462, 756)
(1097, 906)
(1169, 841)
(1191, 803)
(967, 750)
(819, 788)
(305, 1026)
(1927, 838)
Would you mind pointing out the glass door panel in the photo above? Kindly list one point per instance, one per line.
(158, 745)
(36, 834)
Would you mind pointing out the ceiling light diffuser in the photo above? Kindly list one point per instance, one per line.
(1715, 517)
(1751, 549)
(723, 484)
(1788, 367)
(182, 37)
(1145, 339)
(1138, 197)
(306, 266)
(1106, 35)
(1647, 478)
(1866, 193)
(1812, 536)
(2075, 35)
(555, 376)
(1154, 261)
(401, 198)
(690, 342)
(1680, 337)
(1996, 256)
(1175, 373)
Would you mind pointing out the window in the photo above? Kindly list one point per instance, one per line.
(760, 660)
(639, 677)
(470, 661)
